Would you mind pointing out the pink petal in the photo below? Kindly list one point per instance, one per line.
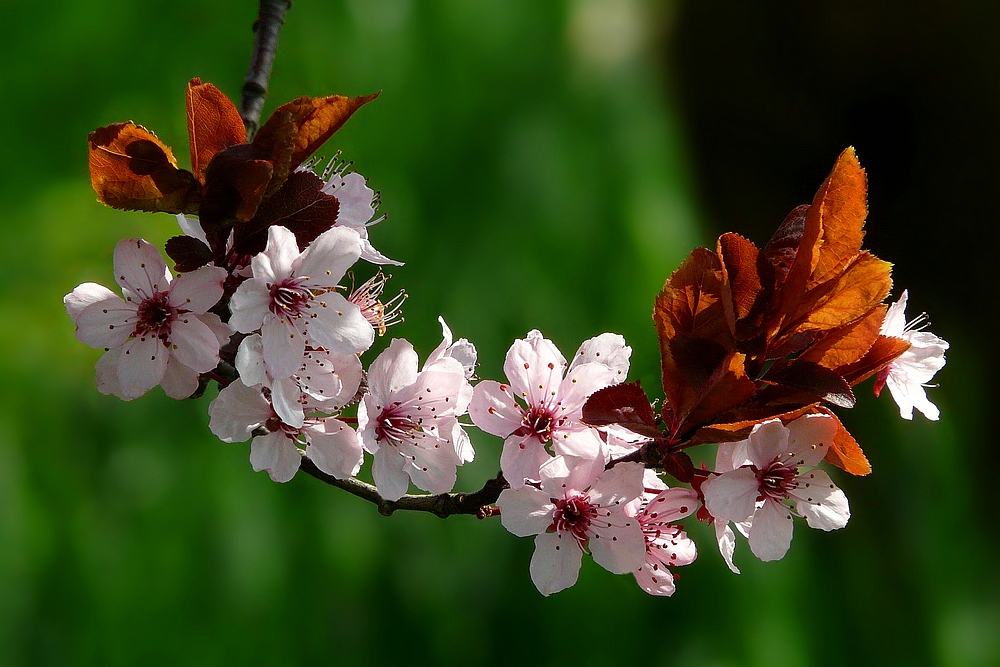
(179, 381)
(655, 579)
(275, 263)
(608, 349)
(673, 504)
(237, 411)
(107, 374)
(366, 426)
(493, 409)
(895, 317)
(562, 476)
(525, 511)
(732, 495)
(580, 441)
(105, 323)
(249, 306)
(250, 361)
(820, 502)
(521, 458)
(285, 397)
(329, 256)
(198, 290)
(618, 548)
(284, 347)
(84, 295)
(388, 472)
(555, 565)
(338, 325)
(727, 543)
(334, 448)
(580, 383)
(534, 367)
(771, 532)
(617, 486)
(142, 365)
(432, 469)
(193, 343)
(768, 440)
(276, 454)
(392, 370)
(139, 268)
(809, 438)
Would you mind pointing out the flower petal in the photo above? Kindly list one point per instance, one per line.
(608, 349)
(618, 486)
(193, 343)
(809, 438)
(285, 399)
(338, 325)
(334, 448)
(328, 257)
(521, 458)
(142, 365)
(768, 440)
(84, 295)
(179, 381)
(534, 366)
(771, 532)
(493, 408)
(107, 374)
(727, 543)
(820, 502)
(250, 361)
(525, 511)
(276, 454)
(284, 346)
(198, 290)
(275, 263)
(237, 411)
(392, 370)
(655, 579)
(105, 323)
(618, 548)
(249, 305)
(139, 268)
(732, 495)
(555, 565)
(388, 472)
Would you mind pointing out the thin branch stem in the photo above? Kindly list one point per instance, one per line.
(443, 504)
(270, 17)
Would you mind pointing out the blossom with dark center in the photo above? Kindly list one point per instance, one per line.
(380, 315)
(667, 545)
(573, 509)
(409, 421)
(292, 296)
(553, 397)
(778, 468)
(239, 411)
(358, 204)
(160, 333)
(907, 376)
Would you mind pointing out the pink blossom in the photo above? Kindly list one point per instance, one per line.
(367, 296)
(908, 375)
(325, 381)
(160, 333)
(571, 510)
(358, 203)
(667, 545)
(553, 403)
(292, 297)
(779, 469)
(239, 411)
(409, 421)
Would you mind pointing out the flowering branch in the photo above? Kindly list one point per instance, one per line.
(270, 18)
(441, 504)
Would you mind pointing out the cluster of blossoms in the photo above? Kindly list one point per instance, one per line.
(756, 345)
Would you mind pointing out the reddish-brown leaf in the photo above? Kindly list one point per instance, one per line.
(214, 124)
(234, 186)
(884, 350)
(845, 452)
(815, 380)
(133, 170)
(188, 253)
(298, 128)
(299, 205)
(624, 404)
(739, 266)
(727, 388)
(783, 247)
(840, 207)
(679, 466)
(741, 427)
(847, 344)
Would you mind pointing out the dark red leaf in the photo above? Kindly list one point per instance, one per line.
(816, 380)
(624, 404)
(679, 466)
(299, 205)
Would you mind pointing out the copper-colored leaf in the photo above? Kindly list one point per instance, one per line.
(847, 344)
(783, 247)
(624, 404)
(741, 427)
(214, 124)
(305, 122)
(299, 205)
(882, 352)
(858, 291)
(728, 387)
(739, 266)
(841, 209)
(845, 452)
(133, 170)
(679, 466)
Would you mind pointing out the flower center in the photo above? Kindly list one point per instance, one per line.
(289, 298)
(538, 422)
(395, 427)
(573, 515)
(776, 480)
(155, 315)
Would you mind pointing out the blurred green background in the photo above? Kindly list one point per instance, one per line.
(542, 164)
